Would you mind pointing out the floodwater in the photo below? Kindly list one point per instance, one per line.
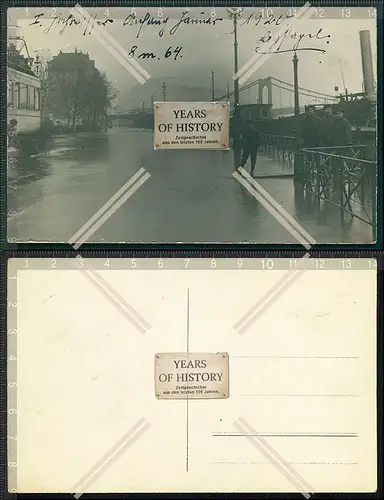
(190, 196)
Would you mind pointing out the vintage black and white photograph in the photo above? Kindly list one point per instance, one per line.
(272, 389)
(192, 125)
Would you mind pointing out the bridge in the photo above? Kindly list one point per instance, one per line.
(277, 93)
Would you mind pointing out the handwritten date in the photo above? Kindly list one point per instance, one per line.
(134, 52)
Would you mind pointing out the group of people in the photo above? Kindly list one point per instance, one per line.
(330, 130)
(333, 129)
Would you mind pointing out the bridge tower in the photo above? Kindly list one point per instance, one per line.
(265, 82)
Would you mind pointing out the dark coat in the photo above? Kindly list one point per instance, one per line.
(327, 133)
(235, 130)
(311, 131)
(250, 139)
(342, 132)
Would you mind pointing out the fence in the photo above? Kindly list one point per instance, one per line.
(282, 146)
(342, 177)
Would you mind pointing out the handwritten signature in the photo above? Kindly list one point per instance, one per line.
(277, 42)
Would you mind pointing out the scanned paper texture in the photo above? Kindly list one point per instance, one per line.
(136, 124)
(301, 411)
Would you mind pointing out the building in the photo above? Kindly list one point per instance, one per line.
(76, 92)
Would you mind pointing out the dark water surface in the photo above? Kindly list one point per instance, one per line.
(190, 196)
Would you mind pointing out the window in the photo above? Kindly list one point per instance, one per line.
(16, 95)
(37, 99)
(23, 96)
(10, 93)
(31, 97)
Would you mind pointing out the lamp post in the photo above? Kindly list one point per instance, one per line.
(234, 14)
(37, 65)
(298, 157)
(164, 92)
(296, 83)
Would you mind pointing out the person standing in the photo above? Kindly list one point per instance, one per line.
(311, 129)
(250, 143)
(342, 130)
(235, 133)
(327, 126)
(12, 134)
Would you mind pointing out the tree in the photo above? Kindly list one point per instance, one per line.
(104, 98)
(111, 92)
(78, 91)
(41, 71)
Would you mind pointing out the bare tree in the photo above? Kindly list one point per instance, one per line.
(77, 90)
(111, 91)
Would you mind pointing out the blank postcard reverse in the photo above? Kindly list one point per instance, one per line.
(183, 375)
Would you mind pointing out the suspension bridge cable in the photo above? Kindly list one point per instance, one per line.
(302, 88)
(245, 87)
(301, 91)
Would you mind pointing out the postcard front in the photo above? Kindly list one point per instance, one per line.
(164, 117)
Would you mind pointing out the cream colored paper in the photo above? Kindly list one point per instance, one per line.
(303, 376)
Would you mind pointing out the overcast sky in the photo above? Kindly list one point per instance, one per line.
(207, 47)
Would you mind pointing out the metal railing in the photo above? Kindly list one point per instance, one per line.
(342, 177)
(278, 145)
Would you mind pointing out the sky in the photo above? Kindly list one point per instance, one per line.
(209, 47)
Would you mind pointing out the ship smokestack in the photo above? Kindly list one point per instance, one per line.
(367, 64)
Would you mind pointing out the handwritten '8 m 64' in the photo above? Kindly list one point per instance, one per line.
(169, 53)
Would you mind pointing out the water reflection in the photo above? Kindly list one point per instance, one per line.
(191, 196)
(24, 170)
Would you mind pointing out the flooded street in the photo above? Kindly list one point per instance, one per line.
(190, 196)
